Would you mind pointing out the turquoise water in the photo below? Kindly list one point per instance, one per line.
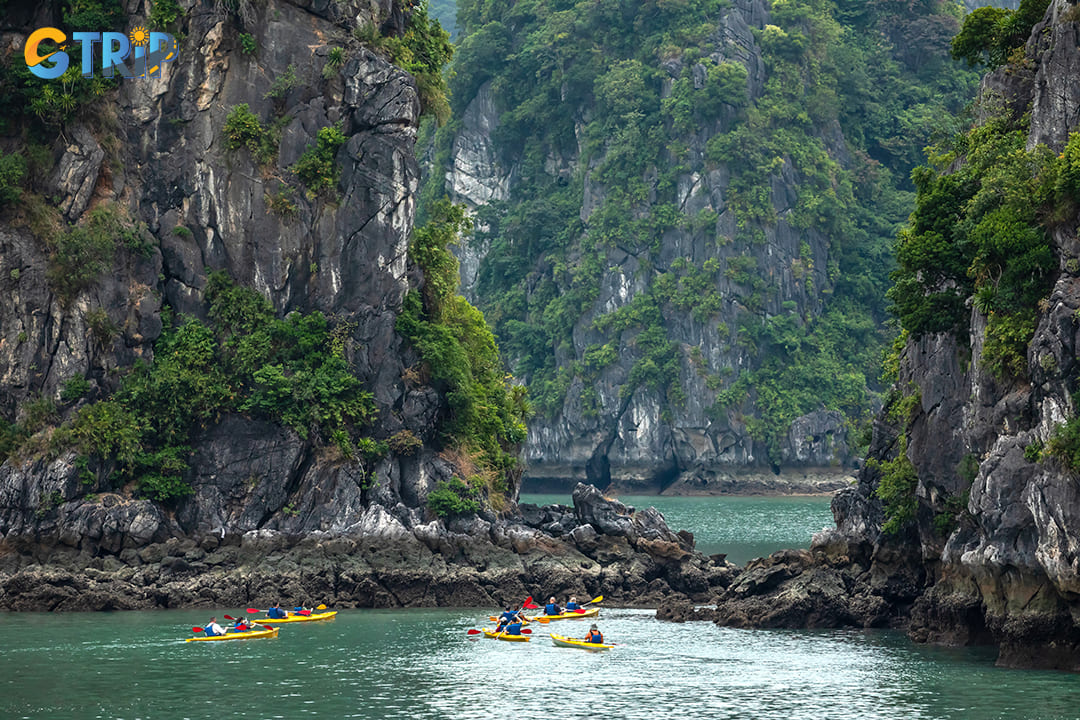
(421, 664)
(742, 527)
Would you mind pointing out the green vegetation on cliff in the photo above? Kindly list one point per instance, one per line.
(291, 370)
(978, 232)
(458, 353)
(621, 108)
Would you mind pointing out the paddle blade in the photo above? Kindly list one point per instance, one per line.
(472, 631)
(542, 620)
(255, 610)
(320, 607)
(196, 629)
(598, 598)
(526, 631)
(228, 617)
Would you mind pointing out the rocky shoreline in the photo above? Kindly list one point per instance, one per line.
(718, 482)
(597, 547)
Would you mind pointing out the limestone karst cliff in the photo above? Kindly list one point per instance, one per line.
(683, 220)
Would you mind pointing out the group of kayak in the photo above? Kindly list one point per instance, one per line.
(248, 629)
(510, 624)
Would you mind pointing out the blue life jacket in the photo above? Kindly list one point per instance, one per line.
(276, 613)
(513, 629)
(595, 637)
(507, 616)
(551, 609)
(572, 606)
(209, 632)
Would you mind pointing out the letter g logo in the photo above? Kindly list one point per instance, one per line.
(33, 60)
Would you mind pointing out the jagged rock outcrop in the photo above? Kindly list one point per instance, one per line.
(381, 561)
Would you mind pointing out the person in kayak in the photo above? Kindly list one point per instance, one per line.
(212, 629)
(510, 615)
(241, 625)
(571, 604)
(512, 627)
(275, 612)
(552, 607)
(594, 636)
(304, 611)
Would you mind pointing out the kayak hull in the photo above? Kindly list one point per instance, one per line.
(589, 612)
(298, 618)
(268, 632)
(562, 641)
(504, 636)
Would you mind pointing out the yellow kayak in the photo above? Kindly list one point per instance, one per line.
(298, 618)
(572, 615)
(268, 632)
(561, 641)
(505, 636)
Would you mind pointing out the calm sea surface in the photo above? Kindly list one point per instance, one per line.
(421, 664)
(742, 527)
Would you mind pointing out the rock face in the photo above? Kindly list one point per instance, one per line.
(606, 427)
(1001, 567)
(206, 207)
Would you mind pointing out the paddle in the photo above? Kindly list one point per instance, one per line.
(596, 599)
(198, 629)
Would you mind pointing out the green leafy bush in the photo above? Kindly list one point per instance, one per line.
(82, 253)
(12, 172)
(990, 34)
(244, 129)
(335, 60)
(163, 13)
(896, 490)
(248, 46)
(282, 84)
(1064, 444)
(317, 167)
(452, 498)
(75, 388)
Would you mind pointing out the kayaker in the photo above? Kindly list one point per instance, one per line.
(571, 604)
(509, 628)
(275, 612)
(594, 636)
(212, 629)
(552, 607)
(509, 615)
(240, 625)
